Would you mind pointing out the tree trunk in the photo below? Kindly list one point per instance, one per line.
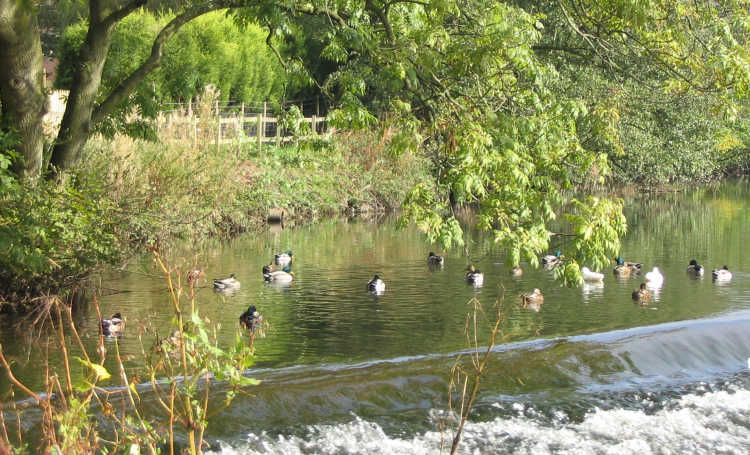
(22, 84)
(75, 126)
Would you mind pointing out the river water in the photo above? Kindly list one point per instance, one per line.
(346, 371)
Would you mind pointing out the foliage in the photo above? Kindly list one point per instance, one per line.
(181, 371)
(209, 51)
(53, 234)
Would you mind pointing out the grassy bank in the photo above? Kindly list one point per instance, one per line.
(130, 194)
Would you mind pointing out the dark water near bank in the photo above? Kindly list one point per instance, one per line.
(346, 371)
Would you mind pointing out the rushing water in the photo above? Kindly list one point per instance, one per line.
(346, 371)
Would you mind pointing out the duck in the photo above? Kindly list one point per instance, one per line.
(534, 297)
(642, 294)
(283, 258)
(654, 277)
(251, 319)
(226, 283)
(549, 261)
(284, 275)
(694, 268)
(376, 284)
(516, 271)
(474, 276)
(626, 268)
(194, 275)
(722, 274)
(268, 268)
(589, 275)
(112, 326)
(433, 258)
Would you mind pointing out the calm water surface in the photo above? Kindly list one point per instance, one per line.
(346, 371)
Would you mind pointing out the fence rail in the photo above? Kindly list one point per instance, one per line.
(237, 127)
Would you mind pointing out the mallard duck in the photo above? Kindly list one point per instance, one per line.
(516, 271)
(549, 261)
(267, 268)
(654, 277)
(474, 276)
(534, 297)
(251, 319)
(194, 275)
(433, 258)
(284, 275)
(722, 274)
(589, 275)
(283, 258)
(226, 283)
(112, 326)
(642, 294)
(376, 284)
(626, 268)
(695, 269)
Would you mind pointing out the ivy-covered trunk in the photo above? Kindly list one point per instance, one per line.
(22, 84)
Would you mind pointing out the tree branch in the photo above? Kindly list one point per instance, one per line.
(120, 14)
(123, 90)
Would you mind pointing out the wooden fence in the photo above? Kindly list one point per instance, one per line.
(237, 127)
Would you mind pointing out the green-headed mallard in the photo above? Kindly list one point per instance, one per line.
(283, 258)
(534, 297)
(549, 261)
(113, 326)
(722, 274)
(642, 294)
(284, 275)
(226, 283)
(626, 268)
(474, 276)
(376, 284)
(695, 269)
(434, 259)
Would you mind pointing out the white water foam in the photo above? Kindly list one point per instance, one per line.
(716, 422)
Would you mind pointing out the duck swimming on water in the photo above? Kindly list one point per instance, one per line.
(113, 326)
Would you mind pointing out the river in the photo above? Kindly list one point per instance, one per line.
(346, 371)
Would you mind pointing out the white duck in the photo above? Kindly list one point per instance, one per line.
(589, 275)
(722, 274)
(655, 278)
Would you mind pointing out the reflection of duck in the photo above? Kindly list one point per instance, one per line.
(516, 271)
(283, 258)
(626, 268)
(534, 297)
(284, 275)
(550, 260)
(642, 294)
(112, 326)
(722, 274)
(433, 258)
(376, 284)
(695, 269)
(474, 276)
(589, 275)
(251, 319)
(226, 283)
(654, 277)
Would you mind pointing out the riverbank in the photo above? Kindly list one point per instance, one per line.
(129, 195)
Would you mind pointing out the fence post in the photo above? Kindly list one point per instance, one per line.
(218, 128)
(260, 131)
(195, 130)
(241, 129)
(315, 125)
